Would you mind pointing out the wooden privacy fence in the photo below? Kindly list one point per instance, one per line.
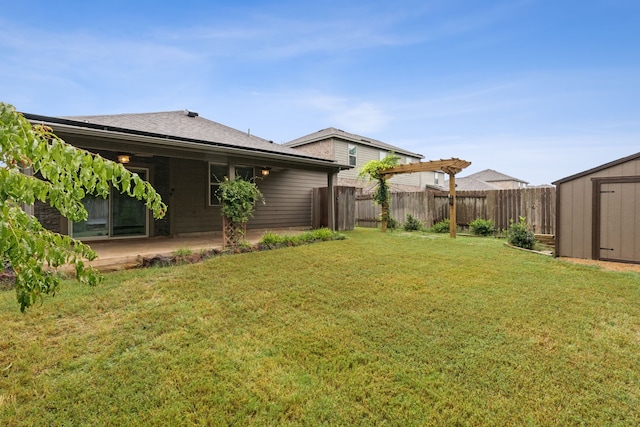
(536, 204)
(344, 208)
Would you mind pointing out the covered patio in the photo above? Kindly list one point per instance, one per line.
(124, 254)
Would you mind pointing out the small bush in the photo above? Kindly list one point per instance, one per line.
(322, 234)
(441, 227)
(520, 235)
(273, 240)
(182, 252)
(412, 223)
(482, 227)
(392, 224)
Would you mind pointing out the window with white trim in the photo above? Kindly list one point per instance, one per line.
(352, 155)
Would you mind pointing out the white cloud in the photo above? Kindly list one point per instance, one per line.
(355, 116)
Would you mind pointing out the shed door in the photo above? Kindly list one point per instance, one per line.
(620, 221)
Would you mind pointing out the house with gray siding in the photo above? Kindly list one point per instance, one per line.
(356, 150)
(185, 156)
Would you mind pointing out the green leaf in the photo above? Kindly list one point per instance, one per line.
(63, 175)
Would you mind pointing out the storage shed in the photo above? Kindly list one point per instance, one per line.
(598, 212)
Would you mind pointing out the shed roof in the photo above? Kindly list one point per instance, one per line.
(350, 137)
(598, 168)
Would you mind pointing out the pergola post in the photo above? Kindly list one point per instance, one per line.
(450, 166)
(452, 205)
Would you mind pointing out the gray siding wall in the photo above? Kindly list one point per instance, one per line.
(287, 195)
(365, 153)
(188, 204)
(288, 198)
(575, 220)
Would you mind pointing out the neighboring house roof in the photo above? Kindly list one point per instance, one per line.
(471, 184)
(181, 127)
(324, 134)
(490, 175)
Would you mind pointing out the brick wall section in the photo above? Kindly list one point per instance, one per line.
(323, 149)
(48, 216)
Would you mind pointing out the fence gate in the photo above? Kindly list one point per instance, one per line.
(345, 208)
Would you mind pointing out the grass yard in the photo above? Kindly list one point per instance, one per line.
(379, 329)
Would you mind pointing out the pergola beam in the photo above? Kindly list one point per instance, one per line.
(449, 166)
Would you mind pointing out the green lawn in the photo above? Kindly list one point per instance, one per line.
(379, 329)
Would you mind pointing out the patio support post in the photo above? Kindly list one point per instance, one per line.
(331, 202)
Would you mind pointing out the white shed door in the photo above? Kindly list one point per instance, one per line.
(620, 221)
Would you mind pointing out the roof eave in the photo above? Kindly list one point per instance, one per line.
(597, 169)
(92, 129)
(311, 140)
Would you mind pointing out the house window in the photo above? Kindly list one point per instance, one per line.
(245, 172)
(436, 179)
(352, 155)
(217, 174)
(383, 154)
(115, 216)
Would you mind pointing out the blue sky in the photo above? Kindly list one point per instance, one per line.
(539, 90)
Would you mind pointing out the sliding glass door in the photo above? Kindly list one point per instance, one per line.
(128, 214)
(97, 223)
(116, 216)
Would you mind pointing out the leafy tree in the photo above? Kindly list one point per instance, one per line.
(35, 165)
(373, 170)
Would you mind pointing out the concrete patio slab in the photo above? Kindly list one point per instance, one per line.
(123, 254)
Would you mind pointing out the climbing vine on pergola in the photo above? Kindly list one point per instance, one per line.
(450, 166)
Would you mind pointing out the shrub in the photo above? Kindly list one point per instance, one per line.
(520, 235)
(182, 252)
(482, 227)
(273, 240)
(412, 223)
(441, 227)
(322, 234)
(392, 224)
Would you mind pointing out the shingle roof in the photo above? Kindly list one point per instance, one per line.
(339, 133)
(471, 184)
(490, 175)
(185, 124)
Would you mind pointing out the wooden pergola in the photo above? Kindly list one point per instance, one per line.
(450, 166)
